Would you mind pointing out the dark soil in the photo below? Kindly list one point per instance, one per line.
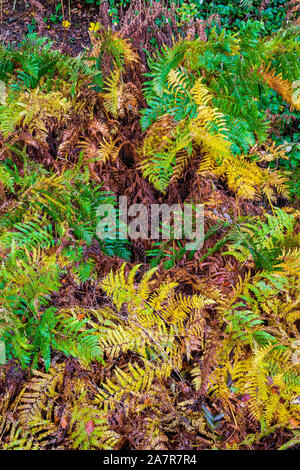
(35, 17)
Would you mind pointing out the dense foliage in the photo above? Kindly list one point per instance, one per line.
(140, 344)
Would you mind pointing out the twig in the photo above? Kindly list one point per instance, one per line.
(12, 20)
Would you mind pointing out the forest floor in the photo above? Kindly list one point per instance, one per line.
(33, 16)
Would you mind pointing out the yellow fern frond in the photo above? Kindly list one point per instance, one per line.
(283, 87)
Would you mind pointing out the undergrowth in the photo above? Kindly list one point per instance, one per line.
(143, 344)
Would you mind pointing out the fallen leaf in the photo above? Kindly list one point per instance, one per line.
(90, 426)
(63, 422)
